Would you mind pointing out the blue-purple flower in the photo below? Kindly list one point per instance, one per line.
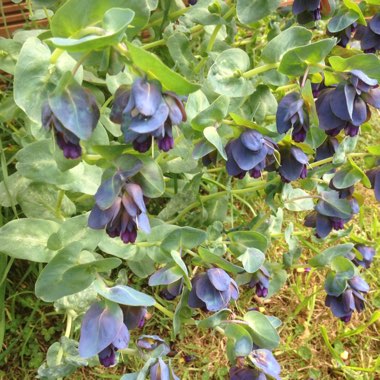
(351, 299)
(246, 373)
(151, 342)
(307, 10)
(260, 280)
(248, 153)
(374, 177)
(346, 107)
(331, 213)
(134, 316)
(173, 290)
(293, 164)
(161, 371)
(103, 332)
(366, 255)
(345, 34)
(72, 115)
(369, 36)
(120, 208)
(146, 113)
(265, 361)
(291, 114)
(213, 290)
(327, 149)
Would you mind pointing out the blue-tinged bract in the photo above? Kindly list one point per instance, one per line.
(246, 373)
(374, 177)
(69, 131)
(293, 164)
(351, 299)
(251, 153)
(213, 290)
(291, 114)
(120, 208)
(145, 112)
(369, 36)
(103, 332)
(346, 107)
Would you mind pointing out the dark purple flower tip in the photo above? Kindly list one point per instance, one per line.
(70, 150)
(192, 2)
(254, 173)
(351, 130)
(142, 145)
(129, 236)
(107, 357)
(346, 318)
(299, 135)
(337, 223)
(166, 143)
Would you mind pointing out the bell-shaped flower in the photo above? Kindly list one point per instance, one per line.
(330, 213)
(246, 373)
(374, 177)
(134, 316)
(265, 361)
(291, 114)
(213, 290)
(344, 35)
(307, 10)
(173, 290)
(150, 343)
(120, 208)
(103, 332)
(347, 106)
(260, 280)
(327, 149)
(351, 299)
(369, 36)
(72, 115)
(248, 153)
(161, 371)
(365, 255)
(146, 113)
(293, 164)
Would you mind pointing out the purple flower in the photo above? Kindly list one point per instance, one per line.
(120, 208)
(347, 192)
(58, 115)
(369, 36)
(307, 10)
(246, 373)
(248, 153)
(327, 149)
(145, 112)
(366, 253)
(151, 342)
(344, 35)
(346, 106)
(161, 371)
(330, 213)
(264, 360)
(293, 164)
(213, 290)
(173, 290)
(343, 305)
(374, 177)
(134, 316)
(260, 280)
(291, 114)
(103, 332)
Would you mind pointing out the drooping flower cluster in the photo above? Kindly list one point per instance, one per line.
(293, 164)
(346, 107)
(291, 114)
(331, 212)
(145, 112)
(343, 305)
(213, 290)
(249, 153)
(307, 10)
(374, 177)
(260, 280)
(327, 149)
(105, 330)
(120, 208)
(72, 116)
(366, 256)
(369, 36)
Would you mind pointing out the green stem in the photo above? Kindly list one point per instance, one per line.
(212, 40)
(58, 211)
(154, 44)
(288, 87)
(259, 70)
(172, 16)
(164, 310)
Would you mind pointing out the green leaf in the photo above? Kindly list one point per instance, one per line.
(183, 237)
(212, 114)
(286, 40)
(212, 135)
(368, 63)
(355, 7)
(250, 11)
(252, 259)
(180, 51)
(239, 340)
(150, 178)
(263, 333)
(225, 75)
(27, 239)
(152, 65)
(325, 257)
(342, 20)
(334, 284)
(72, 18)
(214, 320)
(263, 103)
(211, 258)
(343, 267)
(295, 61)
(250, 239)
(251, 125)
(115, 23)
(291, 200)
(70, 271)
(123, 295)
(176, 256)
(10, 50)
(346, 177)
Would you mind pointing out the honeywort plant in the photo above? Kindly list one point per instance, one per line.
(144, 123)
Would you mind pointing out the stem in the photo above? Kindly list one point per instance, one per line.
(154, 44)
(259, 70)
(164, 310)
(172, 16)
(212, 40)
(305, 77)
(288, 87)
